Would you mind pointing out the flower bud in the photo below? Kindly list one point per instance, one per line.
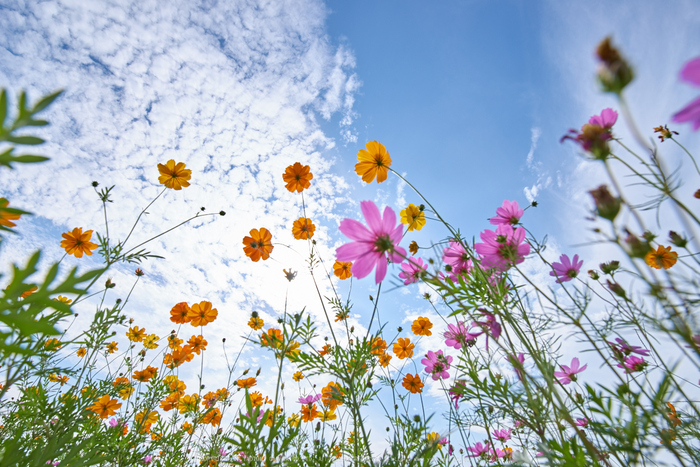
(593, 274)
(617, 289)
(614, 73)
(606, 204)
(677, 240)
(95, 184)
(609, 267)
(636, 248)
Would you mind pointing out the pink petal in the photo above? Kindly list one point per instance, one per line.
(609, 117)
(352, 251)
(371, 213)
(691, 72)
(364, 265)
(381, 270)
(690, 113)
(389, 221)
(355, 230)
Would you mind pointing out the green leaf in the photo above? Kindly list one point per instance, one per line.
(27, 140)
(30, 159)
(3, 108)
(46, 101)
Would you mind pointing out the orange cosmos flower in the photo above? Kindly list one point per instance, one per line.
(256, 323)
(170, 402)
(341, 269)
(105, 406)
(332, 396)
(421, 327)
(663, 257)
(297, 177)
(198, 344)
(31, 290)
(378, 346)
(202, 314)
(6, 217)
(112, 347)
(309, 413)
(298, 376)
(174, 176)
(187, 426)
(178, 357)
(256, 399)
(145, 374)
(413, 383)
(373, 162)
(303, 228)
(78, 242)
(145, 419)
(213, 417)
(273, 338)
(325, 350)
(246, 383)
(403, 348)
(82, 351)
(258, 245)
(179, 313)
(384, 359)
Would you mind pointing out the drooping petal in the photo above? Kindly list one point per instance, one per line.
(690, 113)
(372, 216)
(355, 230)
(691, 72)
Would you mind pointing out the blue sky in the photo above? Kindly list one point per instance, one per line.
(470, 99)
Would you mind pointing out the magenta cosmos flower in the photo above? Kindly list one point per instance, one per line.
(633, 364)
(502, 435)
(437, 364)
(508, 213)
(606, 119)
(503, 248)
(517, 362)
(691, 112)
(457, 335)
(478, 449)
(413, 269)
(568, 374)
(310, 399)
(371, 246)
(457, 257)
(566, 269)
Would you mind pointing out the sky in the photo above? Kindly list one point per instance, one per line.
(470, 98)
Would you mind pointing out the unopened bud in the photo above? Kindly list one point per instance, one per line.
(677, 240)
(606, 204)
(614, 73)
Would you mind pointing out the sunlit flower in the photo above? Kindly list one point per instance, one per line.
(145, 419)
(258, 245)
(412, 270)
(123, 387)
(595, 134)
(179, 314)
(188, 403)
(187, 427)
(326, 349)
(145, 374)
(374, 245)
(6, 217)
(478, 449)
(663, 257)
(690, 113)
(413, 247)
(413, 383)
(297, 376)
(197, 343)
(437, 364)
(174, 342)
(309, 412)
(503, 248)
(633, 364)
(178, 357)
(58, 379)
(422, 326)
(566, 269)
(384, 359)
(151, 341)
(105, 406)
(256, 323)
(294, 420)
(213, 417)
(508, 213)
(135, 334)
(78, 242)
(403, 348)
(82, 351)
(664, 132)
(413, 217)
(502, 435)
(332, 395)
(273, 338)
(459, 260)
(171, 402)
(303, 228)
(373, 162)
(28, 292)
(328, 415)
(297, 177)
(672, 416)
(457, 336)
(256, 398)
(202, 313)
(112, 347)
(378, 346)
(63, 299)
(174, 176)
(342, 269)
(568, 374)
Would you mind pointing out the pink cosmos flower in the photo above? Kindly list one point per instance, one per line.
(633, 364)
(148, 459)
(509, 213)
(691, 112)
(519, 423)
(374, 245)
(457, 257)
(517, 363)
(622, 349)
(566, 269)
(606, 119)
(456, 392)
(437, 364)
(413, 269)
(491, 327)
(457, 336)
(113, 422)
(478, 449)
(223, 452)
(568, 374)
(497, 454)
(503, 248)
(310, 399)
(581, 422)
(502, 435)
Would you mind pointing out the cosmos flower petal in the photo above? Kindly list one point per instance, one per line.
(690, 113)
(364, 265)
(381, 270)
(351, 252)
(372, 216)
(355, 230)
(691, 72)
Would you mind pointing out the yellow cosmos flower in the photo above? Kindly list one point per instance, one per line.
(298, 376)
(373, 162)
(256, 399)
(421, 327)
(414, 217)
(294, 420)
(58, 379)
(303, 228)
(663, 257)
(151, 341)
(135, 334)
(63, 299)
(256, 323)
(342, 269)
(82, 351)
(78, 242)
(403, 348)
(328, 415)
(174, 176)
(112, 347)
